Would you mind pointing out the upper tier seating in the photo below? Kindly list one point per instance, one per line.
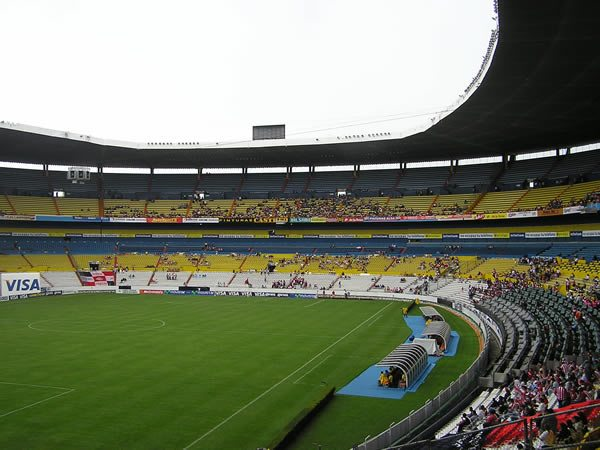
(480, 175)
(330, 181)
(23, 182)
(375, 180)
(527, 169)
(579, 163)
(119, 185)
(498, 201)
(172, 186)
(263, 183)
(538, 198)
(418, 179)
(77, 207)
(33, 205)
(453, 204)
(167, 208)
(124, 208)
(219, 183)
(5, 206)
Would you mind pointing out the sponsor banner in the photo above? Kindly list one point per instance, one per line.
(454, 217)
(334, 219)
(476, 236)
(299, 219)
(364, 236)
(151, 291)
(311, 236)
(573, 210)
(210, 235)
(408, 236)
(48, 218)
(145, 235)
(15, 284)
(86, 219)
(433, 236)
(127, 219)
(517, 235)
(237, 236)
(295, 236)
(550, 212)
(318, 220)
(5, 233)
(353, 219)
(380, 235)
(73, 235)
(520, 214)
(277, 236)
(337, 236)
(417, 218)
(493, 216)
(31, 234)
(127, 291)
(17, 217)
(502, 235)
(381, 219)
(540, 234)
(450, 236)
(590, 233)
(575, 234)
(302, 295)
(163, 219)
(177, 292)
(281, 221)
(562, 234)
(247, 220)
(201, 220)
(97, 277)
(176, 236)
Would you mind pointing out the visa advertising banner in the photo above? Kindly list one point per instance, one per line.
(19, 284)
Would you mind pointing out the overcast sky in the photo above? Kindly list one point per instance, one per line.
(208, 70)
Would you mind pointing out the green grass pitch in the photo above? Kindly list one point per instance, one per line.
(108, 371)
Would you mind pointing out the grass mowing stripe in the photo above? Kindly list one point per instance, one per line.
(250, 403)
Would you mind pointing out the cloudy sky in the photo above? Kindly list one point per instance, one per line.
(195, 70)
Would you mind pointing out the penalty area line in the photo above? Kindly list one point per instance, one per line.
(313, 304)
(314, 367)
(38, 402)
(283, 380)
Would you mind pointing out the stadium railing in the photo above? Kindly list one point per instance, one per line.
(524, 431)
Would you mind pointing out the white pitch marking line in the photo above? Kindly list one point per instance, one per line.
(313, 304)
(37, 385)
(65, 391)
(250, 403)
(375, 320)
(322, 361)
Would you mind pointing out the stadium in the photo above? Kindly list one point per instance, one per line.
(361, 290)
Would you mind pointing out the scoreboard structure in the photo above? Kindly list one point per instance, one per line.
(262, 132)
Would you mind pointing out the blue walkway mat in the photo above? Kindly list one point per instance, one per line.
(365, 385)
(453, 344)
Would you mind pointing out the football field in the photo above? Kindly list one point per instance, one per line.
(178, 372)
